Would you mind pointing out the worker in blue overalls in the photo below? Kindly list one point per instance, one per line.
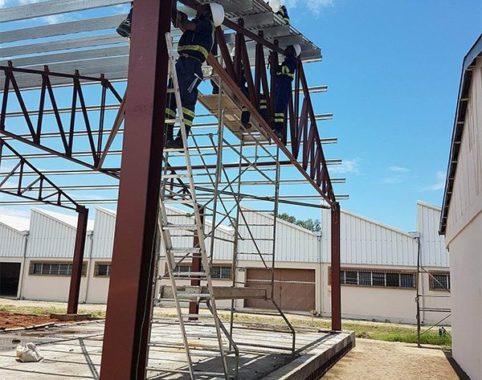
(194, 46)
(285, 74)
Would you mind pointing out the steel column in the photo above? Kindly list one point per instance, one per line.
(335, 268)
(78, 262)
(124, 354)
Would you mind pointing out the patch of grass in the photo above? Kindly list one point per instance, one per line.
(367, 330)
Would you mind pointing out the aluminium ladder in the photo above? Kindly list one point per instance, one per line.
(175, 255)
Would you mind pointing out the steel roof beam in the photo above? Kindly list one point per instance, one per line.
(53, 7)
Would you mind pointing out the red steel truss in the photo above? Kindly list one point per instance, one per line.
(131, 281)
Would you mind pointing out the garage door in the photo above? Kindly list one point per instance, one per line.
(294, 289)
(9, 277)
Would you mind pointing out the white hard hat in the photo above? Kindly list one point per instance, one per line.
(275, 5)
(217, 11)
(297, 49)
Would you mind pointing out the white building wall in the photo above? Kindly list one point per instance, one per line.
(464, 237)
(103, 237)
(432, 245)
(364, 241)
(50, 237)
(293, 243)
(12, 242)
(466, 201)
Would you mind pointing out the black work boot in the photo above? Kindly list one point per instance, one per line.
(175, 144)
(124, 28)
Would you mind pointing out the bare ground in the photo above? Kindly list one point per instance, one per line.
(372, 359)
(10, 320)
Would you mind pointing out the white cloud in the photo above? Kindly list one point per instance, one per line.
(397, 174)
(398, 169)
(312, 5)
(439, 183)
(347, 166)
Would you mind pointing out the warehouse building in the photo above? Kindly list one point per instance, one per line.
(379, 263)
(461, 221)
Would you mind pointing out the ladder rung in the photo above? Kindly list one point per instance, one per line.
(255, 253)
(187, 227)
(185, 250)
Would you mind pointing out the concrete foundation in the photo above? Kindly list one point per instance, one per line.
(74, 351)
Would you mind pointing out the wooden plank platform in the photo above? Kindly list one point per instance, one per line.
(220, 292)
(232, 117)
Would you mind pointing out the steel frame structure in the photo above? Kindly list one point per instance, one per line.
(130, 292)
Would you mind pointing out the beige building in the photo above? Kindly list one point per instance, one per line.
(461, 221)
(379, 263)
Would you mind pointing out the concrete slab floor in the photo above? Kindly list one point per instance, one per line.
(74, 351)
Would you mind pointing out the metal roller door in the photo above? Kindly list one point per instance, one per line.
(294, 289)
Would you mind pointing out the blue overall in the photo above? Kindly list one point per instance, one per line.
(193, 49)
(284, 77)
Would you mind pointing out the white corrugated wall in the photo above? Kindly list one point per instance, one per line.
(432, 245)
(369, 243)
(12, 241)
(103, 237)
(104, 227)
(50, 237)
(293, 243)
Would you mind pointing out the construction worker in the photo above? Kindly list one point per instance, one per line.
(284, 76)
(280, 10)
(193, 48)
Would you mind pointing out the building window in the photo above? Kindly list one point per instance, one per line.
(217, 272)
(377, 278)
(393, 280)
(407, 280)
(365, 278)
(439, 281)
(102, 269)
(53, 269)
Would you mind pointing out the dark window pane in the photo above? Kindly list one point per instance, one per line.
(64, 269)
(215, 272)
(365, 278)
(54, 269)
(378, 279)
(225, 272)
(407, 280)
(393, 279)
(46, 269)
(342, 277)
(351, 278)
(37, 268)
(440, 281)
(103, 270)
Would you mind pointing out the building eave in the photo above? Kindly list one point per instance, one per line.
(458, 129)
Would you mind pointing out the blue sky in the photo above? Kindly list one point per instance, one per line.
(393, 70)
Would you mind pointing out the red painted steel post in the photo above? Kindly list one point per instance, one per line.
(335, 268)
(125, 348)
(196, 265)
(78, 262)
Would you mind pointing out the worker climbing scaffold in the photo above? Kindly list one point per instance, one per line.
(194, 47)
(285, 74)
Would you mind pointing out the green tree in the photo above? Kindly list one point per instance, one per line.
(309, 224)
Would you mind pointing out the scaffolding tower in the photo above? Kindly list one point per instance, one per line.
(64, 94)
